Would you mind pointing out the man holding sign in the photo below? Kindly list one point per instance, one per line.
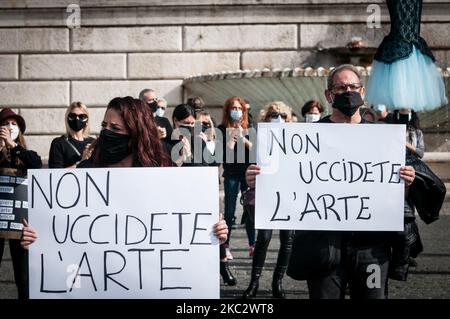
(342, 196)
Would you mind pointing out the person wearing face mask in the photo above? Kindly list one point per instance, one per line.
(275, 112)
(415, 144)
(236, 147)
(331, 261)
(188, 132)
(15, 155)
(128, 139)
(68, 150)
(158, 107)
(312, 111)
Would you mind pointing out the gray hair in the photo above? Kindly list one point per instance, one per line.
(342, 67)
(163, 100)
(142, 94)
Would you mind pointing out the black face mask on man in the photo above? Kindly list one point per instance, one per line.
(77, 124)
(403, 118)
(348, 102)
(114, 147)
(153, 105)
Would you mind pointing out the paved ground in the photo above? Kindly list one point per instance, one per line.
(431, 279)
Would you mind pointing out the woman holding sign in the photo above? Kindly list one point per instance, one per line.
(129, 138)
(14, 155)
(275, 112)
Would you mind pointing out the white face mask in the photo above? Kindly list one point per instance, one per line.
(279, 119)
(310, 118)
(14, 131)
(159, 112)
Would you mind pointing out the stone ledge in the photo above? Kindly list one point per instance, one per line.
(34, 94)
(73, 66)
(9, 67)
(179, 65)
(293, 12)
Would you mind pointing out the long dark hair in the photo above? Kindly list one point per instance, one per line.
(414, 123)
(5, 153)
(145, 143)
(181, 112)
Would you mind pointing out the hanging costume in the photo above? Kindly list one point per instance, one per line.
(403, 72)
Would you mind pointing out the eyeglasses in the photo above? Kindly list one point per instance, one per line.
(73, 116)
(340, 88)
(275, 115)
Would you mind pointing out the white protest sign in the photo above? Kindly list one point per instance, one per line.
(330, 177)
(124, 233)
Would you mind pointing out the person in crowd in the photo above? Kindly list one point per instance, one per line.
(368, 114)
(190, 133)
(15, 155)
(68, 150)
(383, 114)
(236, 148)
(251, 121)
(353, 251)
(128, 139)
(275, 112)
(158, 110)
(208, 129)
(312, 111)
(415, 144)
(197, 103)
(294, 117)
(184, 122)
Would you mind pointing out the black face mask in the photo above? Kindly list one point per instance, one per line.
(348, 102)
(76, 124)
(205, 127)
(403, 118)
(153, 106)
(113, 146)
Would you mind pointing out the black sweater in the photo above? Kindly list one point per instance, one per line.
(63, 155)
(29, 159)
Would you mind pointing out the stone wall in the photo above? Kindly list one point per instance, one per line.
(125, 46)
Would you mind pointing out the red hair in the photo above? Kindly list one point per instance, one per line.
(145, 142)
(226, 118)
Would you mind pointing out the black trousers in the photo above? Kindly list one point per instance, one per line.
(363, 269)
(19, 258)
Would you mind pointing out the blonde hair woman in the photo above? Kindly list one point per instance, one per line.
(69, 149)
(276, 112)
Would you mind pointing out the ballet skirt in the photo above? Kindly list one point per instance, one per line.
(404, 73)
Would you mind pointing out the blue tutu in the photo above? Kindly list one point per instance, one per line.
(414, 82)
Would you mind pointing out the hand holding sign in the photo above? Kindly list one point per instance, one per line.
(29, 235)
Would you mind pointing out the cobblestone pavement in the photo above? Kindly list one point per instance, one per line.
(430, 279)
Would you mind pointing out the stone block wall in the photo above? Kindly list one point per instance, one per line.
(124, 46)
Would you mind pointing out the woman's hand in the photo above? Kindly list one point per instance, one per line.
(221, 231)
(250, 175)
(87, 152)
(162, 133)
(29, 235)
(5, 134)
(407, 173)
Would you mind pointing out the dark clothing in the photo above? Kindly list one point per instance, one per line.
(233, 165)
(165, 123)
(405, 32)
(62, 154)
(333, 259)
(28, 160)
(354, 269)
(19, 258)
(327, 119)
(262, 244)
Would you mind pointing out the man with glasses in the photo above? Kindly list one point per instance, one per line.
(337, 259)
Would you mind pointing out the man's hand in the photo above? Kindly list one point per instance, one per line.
(250, 175)
(407, 173)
